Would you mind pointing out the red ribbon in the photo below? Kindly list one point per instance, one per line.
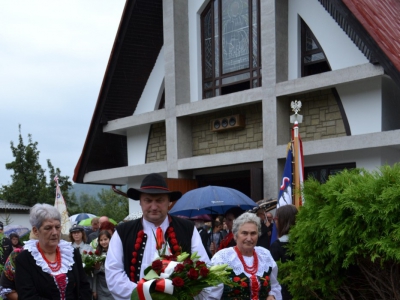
(140, 289)
(254, 287)
(165, 264)
(160, 285)
(159, 238)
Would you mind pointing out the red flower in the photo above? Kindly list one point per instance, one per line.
(174, 242)
(204, 271)
(236, 279)
(243, 284)
(188, 261)
(140, 234)
(170, 257)
(267, 278)
(139, 241)
(178, 282)
(200, 263)
(265, 283)
(193, 274)
(157, 265)
(179, 268)
(236, 292)
(84, 252)
(137, 247)
(90, 253)
(97, 252)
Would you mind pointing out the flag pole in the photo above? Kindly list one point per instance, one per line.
(297, 170)
(296, 181)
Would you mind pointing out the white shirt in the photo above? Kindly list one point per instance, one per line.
(118, 281)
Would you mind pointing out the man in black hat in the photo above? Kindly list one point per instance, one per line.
(6, 245)
(133, 246)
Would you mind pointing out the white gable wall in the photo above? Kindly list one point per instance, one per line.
(339, 49)
(362, 101)
(194, 10)
(137, 137)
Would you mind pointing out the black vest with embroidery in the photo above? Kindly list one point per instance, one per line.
(128, 234)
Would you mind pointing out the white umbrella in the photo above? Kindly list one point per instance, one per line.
(133, 216)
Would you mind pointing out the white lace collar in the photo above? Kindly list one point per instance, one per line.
(229, 256)
(67, 256)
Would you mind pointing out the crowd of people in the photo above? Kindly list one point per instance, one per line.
(48, 267)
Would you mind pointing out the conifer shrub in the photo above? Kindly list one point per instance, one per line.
(346, 241)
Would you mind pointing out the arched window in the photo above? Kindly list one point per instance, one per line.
(313, 58)
(230, 46)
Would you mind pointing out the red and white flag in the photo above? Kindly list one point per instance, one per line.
(62, 208)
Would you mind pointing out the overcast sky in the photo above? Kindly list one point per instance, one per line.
(53, 55)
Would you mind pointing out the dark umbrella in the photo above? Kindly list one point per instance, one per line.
(214, 200)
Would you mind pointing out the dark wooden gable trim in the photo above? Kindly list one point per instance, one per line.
(360, 36)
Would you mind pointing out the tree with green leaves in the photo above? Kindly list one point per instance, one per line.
(113, 205)
(29, 183)
(346, 239)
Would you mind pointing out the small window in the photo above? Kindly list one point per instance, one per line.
(322, 173)
(313, 59)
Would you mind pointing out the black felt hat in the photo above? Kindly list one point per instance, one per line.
(153, 184)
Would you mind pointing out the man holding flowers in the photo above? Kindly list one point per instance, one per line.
(136, 244)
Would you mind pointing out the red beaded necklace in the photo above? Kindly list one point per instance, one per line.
(57, 262)
(250, 270)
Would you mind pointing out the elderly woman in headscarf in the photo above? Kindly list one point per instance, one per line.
(49, 268)
(253, 269)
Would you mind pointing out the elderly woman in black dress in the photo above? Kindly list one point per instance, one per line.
(49, 268)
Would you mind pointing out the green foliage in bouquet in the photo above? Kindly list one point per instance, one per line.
(89, 259)
(346, 239)
(189, 278)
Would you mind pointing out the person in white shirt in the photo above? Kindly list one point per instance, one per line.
(133, 246)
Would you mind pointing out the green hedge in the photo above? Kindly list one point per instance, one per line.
(346, 241)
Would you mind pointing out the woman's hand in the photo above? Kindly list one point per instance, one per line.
(271, 297)
(97, 265)
(12, 296)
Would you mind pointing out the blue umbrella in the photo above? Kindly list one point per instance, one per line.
(211, 200)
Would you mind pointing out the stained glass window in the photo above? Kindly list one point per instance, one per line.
(230, 47)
